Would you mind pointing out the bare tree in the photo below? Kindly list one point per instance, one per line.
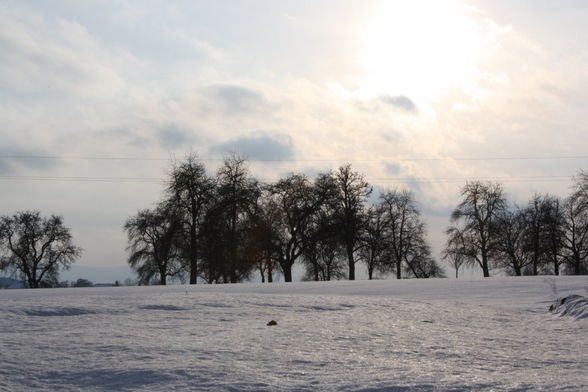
(477, 214)
(153, 244)
(35, 247)
(375, 245)
(553, 232)
(533, 222)
(351, 196)
(574, 243)
(190, 189)
(297, 203)
(454, 254)
(419, 262)
(405, 231)
(263, 238)
(236, 203)
(517, 246)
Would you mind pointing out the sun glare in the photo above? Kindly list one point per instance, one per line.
(419, 48)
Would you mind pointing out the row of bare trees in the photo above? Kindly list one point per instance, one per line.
(222, 228)
(547, 235)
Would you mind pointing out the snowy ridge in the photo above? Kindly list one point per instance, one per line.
(435, 335)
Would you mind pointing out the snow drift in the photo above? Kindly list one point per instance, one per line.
(574, 306)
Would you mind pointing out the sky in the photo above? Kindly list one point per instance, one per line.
(98, 97)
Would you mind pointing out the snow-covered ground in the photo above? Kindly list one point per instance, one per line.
(419, 335)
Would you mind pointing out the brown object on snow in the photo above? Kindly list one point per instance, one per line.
(273, 322)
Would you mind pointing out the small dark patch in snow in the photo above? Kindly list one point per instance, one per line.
(162, 307)
(272, 323)
(216, 305)
(322, 308)
(428, 321)
(268, 305)
(52, 312)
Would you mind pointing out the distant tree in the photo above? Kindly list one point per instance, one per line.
(574, 242)
(35, 247)
(153, 244)
(580, 188)
(453, 257)
(534, 221)
(405, 234)
(352, 191)
(262, 238)
(323, 251)
(323, 254)
(190, 190)
(517, 244)
(297, 203)
(476, 217)
(331, 258)
(459, 250)
(553, 233)
(82, 283)
(231, 216)
(375, 249)
(420, 263)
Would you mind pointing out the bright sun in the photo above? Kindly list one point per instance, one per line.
(420, 48)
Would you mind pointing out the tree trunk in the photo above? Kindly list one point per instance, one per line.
(555, 268)
(270, 272)
(287, 274)
(193, 255)
(485, 268)
(351, 262)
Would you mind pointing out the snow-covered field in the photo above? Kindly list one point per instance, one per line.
(418, 335)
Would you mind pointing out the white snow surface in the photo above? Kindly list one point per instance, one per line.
(492, 334)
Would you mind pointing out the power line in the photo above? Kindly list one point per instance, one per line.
(384, 158)
(82, 179)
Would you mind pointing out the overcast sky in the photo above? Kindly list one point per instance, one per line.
(416, 94)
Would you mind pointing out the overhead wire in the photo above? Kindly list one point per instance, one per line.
(414, 180)
(286, 160)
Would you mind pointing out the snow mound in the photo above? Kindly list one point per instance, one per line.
(574, 306)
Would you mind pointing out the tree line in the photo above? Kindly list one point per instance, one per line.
(547, 235)
(229, 227)
(226, 227)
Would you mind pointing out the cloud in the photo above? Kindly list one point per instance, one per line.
(399, 101)
(174, 137)
(393, 168)
(260, 145)
(237, 98)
